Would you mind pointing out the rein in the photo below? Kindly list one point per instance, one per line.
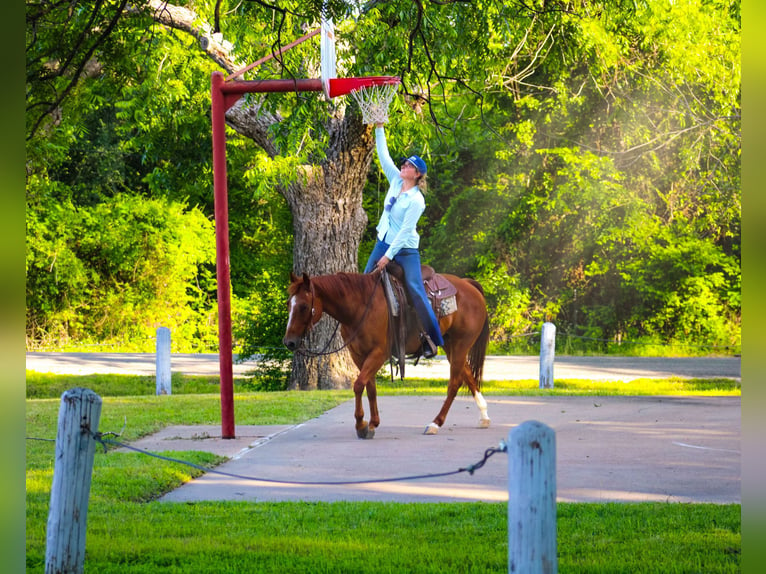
(324, 352)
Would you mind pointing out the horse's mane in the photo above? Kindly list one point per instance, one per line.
(346, 286)
(342, 285)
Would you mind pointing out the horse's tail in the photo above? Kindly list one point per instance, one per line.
(478, 352)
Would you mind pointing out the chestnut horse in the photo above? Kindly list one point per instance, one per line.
(358, 303)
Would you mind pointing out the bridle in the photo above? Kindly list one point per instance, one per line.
(324, 352)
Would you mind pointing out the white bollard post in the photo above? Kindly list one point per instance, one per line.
(547, 353)
(532, 499)
(163, 361)
(75, 448)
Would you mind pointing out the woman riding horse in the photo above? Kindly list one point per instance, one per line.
(359, 305)
(398, 238)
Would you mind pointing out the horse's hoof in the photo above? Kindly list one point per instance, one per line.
(484, 423)
(365, 432)
(432, 428)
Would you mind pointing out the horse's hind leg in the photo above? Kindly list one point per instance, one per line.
(456, 368)
(457, 377)
(484, 420)
(434, 426)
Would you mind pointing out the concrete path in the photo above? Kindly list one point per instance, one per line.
(495, 368)
(623, 449)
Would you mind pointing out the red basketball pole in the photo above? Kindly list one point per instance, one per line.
(223, 95)
(218, 110)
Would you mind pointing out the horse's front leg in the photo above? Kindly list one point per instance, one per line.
(366, 380)
(361, 425)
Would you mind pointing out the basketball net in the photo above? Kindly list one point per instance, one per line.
(374, 102)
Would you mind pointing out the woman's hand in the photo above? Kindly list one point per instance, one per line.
(382, 262)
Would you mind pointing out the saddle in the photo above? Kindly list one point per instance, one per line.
(402, 318)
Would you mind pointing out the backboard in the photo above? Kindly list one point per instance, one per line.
(327, 49)
(332, 85)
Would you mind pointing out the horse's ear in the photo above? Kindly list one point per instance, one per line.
(306, 280)
(293, 277)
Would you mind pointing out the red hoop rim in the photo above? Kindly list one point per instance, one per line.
(343, 86)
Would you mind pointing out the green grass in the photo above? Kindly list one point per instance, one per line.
(43, 385)
(47, 385)
(238, 538)
(566, 387)
(129, 531)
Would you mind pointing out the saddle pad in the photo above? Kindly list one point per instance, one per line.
(439, 288)
(442, 295)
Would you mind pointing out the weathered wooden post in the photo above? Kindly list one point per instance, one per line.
(547, 354)
(163, 361)
(75, 448)
(532, 499)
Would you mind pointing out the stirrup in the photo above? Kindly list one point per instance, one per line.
(429, 349)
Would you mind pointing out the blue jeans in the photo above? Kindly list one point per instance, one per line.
(409, 259)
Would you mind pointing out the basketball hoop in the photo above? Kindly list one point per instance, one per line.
(373, 94)
(374, 101)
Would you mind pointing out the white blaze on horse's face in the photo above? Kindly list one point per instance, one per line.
(291, 305)
(292, 339)
(298, 321)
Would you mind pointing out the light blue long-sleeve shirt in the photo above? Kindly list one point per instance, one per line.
(397, 227)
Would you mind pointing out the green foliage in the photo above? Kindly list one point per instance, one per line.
(117, 271)
(614, 171)
(675, 285)
(259, 325)
(583, 162)
(509, 307)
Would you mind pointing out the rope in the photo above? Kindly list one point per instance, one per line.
(470, 469)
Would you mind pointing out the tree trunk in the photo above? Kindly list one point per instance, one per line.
(328, 223)
(325, 199)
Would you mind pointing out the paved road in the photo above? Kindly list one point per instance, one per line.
(496, 368)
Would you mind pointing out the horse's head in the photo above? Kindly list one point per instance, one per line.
(304, 310)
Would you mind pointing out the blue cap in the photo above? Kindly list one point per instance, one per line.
(418, 162)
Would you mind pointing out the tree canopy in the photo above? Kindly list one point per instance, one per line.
(583, 157)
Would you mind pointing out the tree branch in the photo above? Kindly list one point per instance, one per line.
(248, 120)
(185, 20)
(78, 72)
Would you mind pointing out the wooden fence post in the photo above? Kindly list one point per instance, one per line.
(532, 499)
(75, 448)
(547, 353)
(163, 361)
